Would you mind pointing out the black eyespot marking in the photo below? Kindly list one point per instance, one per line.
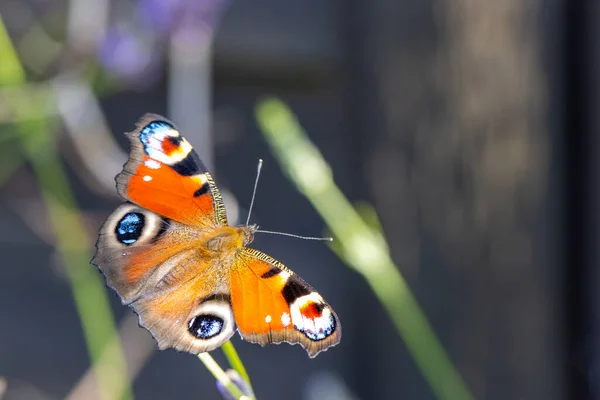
(271, 273)
(321, 334)
(203, 190)
(205, 326)
(190, 165)
(129, 228)
(319, 307)
(293, 289)
(176, 140)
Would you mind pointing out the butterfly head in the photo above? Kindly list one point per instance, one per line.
(248, 233)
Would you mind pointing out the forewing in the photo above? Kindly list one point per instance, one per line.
(165, 175)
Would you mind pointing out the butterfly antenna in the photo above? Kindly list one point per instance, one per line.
(326, 239)
(260, 163)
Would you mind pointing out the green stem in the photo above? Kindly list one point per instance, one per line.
(72, 240)
(10, 161)
(360, 246)
(234, 360)
(221, 376)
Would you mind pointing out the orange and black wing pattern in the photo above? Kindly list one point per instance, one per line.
(272, 305)
(165, 175)
(169, 254)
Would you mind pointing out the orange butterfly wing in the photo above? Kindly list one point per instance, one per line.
(164, 174)
(186, 273)
(272, 305)
(151, 251)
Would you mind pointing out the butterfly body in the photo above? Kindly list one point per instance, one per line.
(170, 254)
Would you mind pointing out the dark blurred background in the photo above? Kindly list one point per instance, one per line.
(470, 127)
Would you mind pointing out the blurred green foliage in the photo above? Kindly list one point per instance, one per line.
(73, 244)
(360, 243)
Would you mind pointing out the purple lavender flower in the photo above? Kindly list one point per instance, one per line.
(133, 52)
(127, 57)
(238, 381)
(174, 16)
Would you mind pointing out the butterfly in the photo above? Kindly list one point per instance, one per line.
(170, 254)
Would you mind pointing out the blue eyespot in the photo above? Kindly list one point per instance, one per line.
(205, 326)
(129, 228)
(322, 333)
